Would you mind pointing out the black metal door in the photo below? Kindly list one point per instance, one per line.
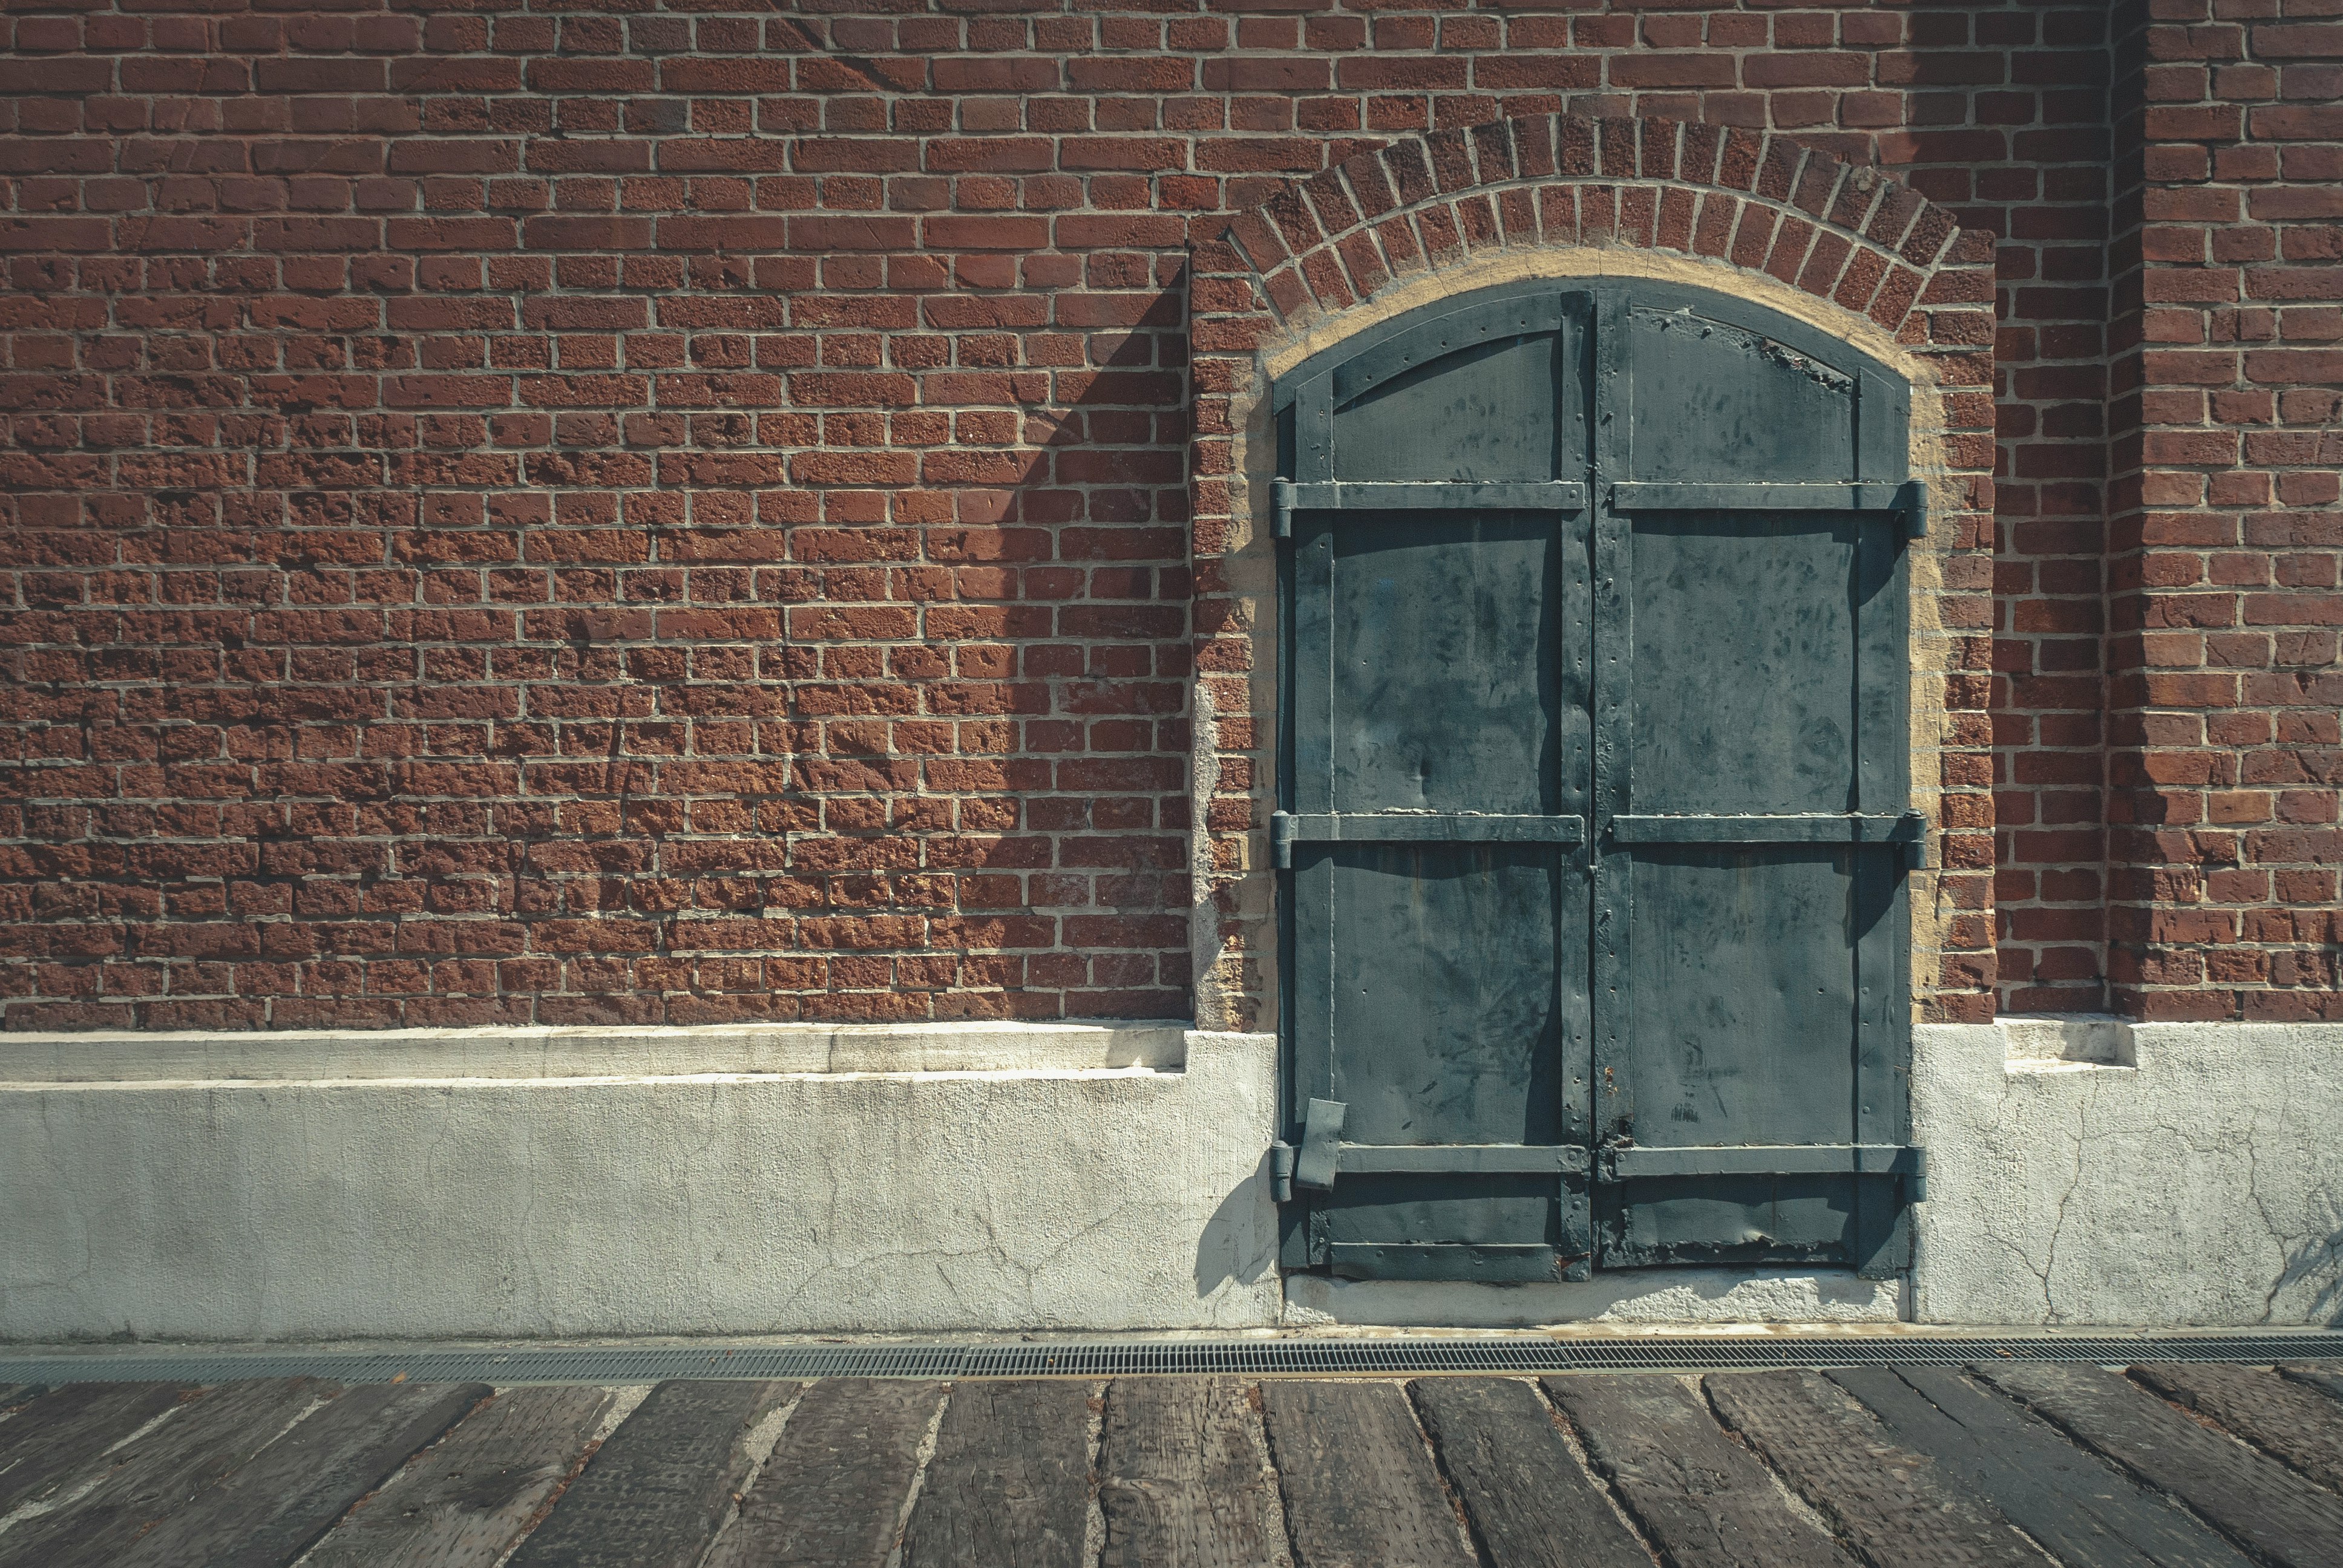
(1594, 785)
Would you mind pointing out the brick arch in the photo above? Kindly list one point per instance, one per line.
(1885, 264)
(1842, 232)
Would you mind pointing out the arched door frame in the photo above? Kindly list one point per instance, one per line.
(1856, 265)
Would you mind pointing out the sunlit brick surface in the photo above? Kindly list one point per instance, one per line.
(557, 514)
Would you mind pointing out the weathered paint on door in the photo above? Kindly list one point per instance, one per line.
(1594, 780)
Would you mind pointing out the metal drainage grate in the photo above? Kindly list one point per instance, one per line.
(1262, 1358)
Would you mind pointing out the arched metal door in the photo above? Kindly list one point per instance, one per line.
(1593, 791)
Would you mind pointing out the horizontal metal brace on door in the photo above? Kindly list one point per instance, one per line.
(1907, 828)
(1908, 499)
(1460, 1159)
(1287, 828)
(1444, 1260)
(1623, 1163)
(1440, 1161)
(1446, 495)
(1434, 1159)
(1630, 1162)
(1324, 1156)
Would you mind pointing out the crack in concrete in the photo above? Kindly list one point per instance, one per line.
(2051, 1312)
(2270, 1226)
(2195, 1185)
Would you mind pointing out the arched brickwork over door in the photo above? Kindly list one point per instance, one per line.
(1842, 248)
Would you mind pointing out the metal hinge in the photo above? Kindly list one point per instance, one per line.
(1280, 506)
(1281, 1171)
(1912, 506)
(1283, 826)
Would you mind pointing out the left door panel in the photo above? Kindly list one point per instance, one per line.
(1438, 693)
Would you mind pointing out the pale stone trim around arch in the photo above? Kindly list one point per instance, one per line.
(1235, 925)
(1320, 331)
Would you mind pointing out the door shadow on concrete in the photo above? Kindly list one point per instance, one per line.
(2318, 1260)
(1239, 1240)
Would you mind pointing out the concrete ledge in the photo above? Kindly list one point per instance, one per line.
(126, 1057)
(585, 1182)
(1679, 1296)
(2092, 1171)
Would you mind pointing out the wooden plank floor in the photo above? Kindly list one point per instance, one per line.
(2164, 1467)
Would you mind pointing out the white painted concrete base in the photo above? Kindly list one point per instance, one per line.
(610, 1181)
(2087, 1171)
(503, 1184)
(1637, 1296)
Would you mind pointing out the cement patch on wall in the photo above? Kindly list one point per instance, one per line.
(419, 1183)
(2089, 1171)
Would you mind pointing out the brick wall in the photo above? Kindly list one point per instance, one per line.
(560, 515)
(2016, 112)
(2224, 681)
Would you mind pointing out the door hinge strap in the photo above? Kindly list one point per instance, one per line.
(1628, 1162)
(1434, 1159)
(1321, 1134)
(1462, 1159)
(1429, 496)
(1287, 828)
(1808, 828)
(1500, 1263)
(1905, 501)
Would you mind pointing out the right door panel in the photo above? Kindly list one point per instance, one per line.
(1751, 754)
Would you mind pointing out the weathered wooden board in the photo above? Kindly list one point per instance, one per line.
(153, 1476)
(1009, 1486)
(1531, 1504)
(660, 1486)
(832, 1494)
(1358, 1484)
(2252, 1499)
(1180, 1479)
(1702, 1498)
(2089, 1514)
(49, 1443)
(1888, 1499)
(271, 1509)
(2325, 1376)
(2299, 1425)
(465, 1502)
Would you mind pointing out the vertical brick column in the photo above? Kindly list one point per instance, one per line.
(2008, 130)
(2224, 680)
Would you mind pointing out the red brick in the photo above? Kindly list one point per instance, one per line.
(801, 458)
